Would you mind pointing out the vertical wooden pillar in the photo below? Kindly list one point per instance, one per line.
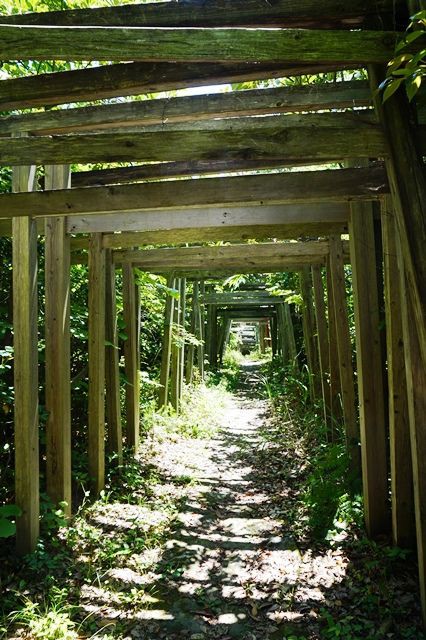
(57, 337)
(344, 350)
(282, 326)
(25, 343)
(291, 340)
(213, 335)
(262, 334)
(416, 385)
(191, 347)
(309, 332)
(369, 368)
(96, 423)
(166, 349)
(112, 374)
(322, 336)
(274, 336)
(182, 344)
(403, 525)
(201, 331)
(131, 358)
(333, 358)
(174, 365)
(405, 169)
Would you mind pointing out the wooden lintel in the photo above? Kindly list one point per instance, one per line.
(194, 220)
(191, 108)
(135, 78)
(294, 138)
(219, 13)
(288, 188)
(23, 42)
(243, 254)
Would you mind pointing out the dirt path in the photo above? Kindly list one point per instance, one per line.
(230, 565)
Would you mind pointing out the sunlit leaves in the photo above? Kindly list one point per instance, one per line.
(408, 68)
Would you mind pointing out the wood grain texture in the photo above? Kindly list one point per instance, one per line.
(403, 525)
(310, 332)
(322, 338)
(369, 370)
(222, 256)
(290, 188)
(25, 342)
(145, 44)
(159, 170)
(135, 78)
(174, 355)
(311, 137)
(336, 407)
(344, 350)
(198, 220)
(96, 422)
(166, 346)
(185, 109)
(416, 384)
(407, 181)
(217, 13)
(57, 351)
(130, 358)
(112, 373)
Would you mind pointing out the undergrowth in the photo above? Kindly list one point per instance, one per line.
(49, 594)
(320, 504)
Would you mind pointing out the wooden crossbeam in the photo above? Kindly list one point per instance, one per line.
(300, 13)
(22, 42)
(132, 79)
(221, 257)
(288, 188)
(183, 109)
(160, 170)
(274, 215)
(312, 137)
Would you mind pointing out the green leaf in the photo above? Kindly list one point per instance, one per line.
(7, 528)
(9, 510)
(391, 88)
(412, 87)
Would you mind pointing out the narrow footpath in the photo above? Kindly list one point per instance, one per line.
(236, 573)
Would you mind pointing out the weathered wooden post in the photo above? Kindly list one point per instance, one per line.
(344, 349)
(96, 423)
(182, 320)
(131, 351)
(57, 353)
(174, 364)
(166, 348)
(309, 332)
(403, 524)
(335, 388)
(283, 333)
(369, 369)
(191, 346)
(322, 337)
(112, 374)
(25, 343)
(274, 335)
(291, 340)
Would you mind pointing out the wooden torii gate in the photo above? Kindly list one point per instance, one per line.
(166, 46)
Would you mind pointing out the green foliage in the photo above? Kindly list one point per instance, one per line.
(198, 416)
(8, 513)
(48, 621)
(408, 67)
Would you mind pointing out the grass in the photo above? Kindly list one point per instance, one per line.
(49, 594)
